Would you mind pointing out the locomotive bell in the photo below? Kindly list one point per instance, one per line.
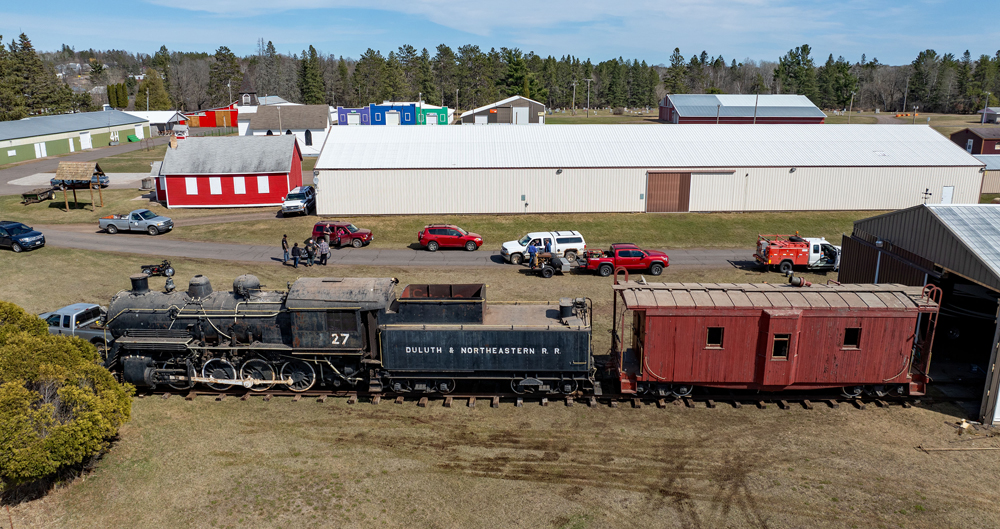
(244, 284)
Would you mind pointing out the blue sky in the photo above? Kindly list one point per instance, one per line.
(893, 31)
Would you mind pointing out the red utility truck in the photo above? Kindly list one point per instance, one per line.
(788, 251)
(627, 256)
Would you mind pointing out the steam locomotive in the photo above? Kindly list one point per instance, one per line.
(354, 333)
(347, 333)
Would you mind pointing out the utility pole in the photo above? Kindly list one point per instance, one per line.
(907, 91)
(718, 110)
(588, 97)
(147, 101)
(850, 109)
(574, 98)
(915, 107)
(229, 85)
(456, 98)
(985, 108)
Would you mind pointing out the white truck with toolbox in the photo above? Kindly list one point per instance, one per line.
(83, 320)
(568, 244)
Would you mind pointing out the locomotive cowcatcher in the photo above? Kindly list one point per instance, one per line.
(671, 337)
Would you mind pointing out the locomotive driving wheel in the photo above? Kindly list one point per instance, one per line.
(302, 374)
(220, 369)
(179, 385)
(257, 369)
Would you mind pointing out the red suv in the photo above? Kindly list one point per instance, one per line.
(436, 236)
(339, 233)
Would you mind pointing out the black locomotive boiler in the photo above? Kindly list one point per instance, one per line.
(347, 333)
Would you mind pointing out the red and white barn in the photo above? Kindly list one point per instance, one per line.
(230, 171)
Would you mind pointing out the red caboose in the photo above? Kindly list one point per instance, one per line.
(670, 337)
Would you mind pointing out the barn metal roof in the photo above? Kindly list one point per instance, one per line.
(230, 155)
(158, 116)
(280, 117)
(645, 146)
(734, 105)
(963, 238)
(992, 161)
(59, 124)
(766, 296)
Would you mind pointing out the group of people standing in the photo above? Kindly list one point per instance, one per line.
(309, 252)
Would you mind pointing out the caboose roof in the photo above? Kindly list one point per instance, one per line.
(766, 295)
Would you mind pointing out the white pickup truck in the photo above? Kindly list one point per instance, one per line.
(83, 320)
(568, 244)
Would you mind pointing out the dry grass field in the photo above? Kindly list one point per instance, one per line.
(235, 464)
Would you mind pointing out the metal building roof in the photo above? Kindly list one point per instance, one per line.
(992, 161)
(158, 116)
(230, 155)
(62, 123)
(646, 146)
(498, 103)
(281, 117)
(766, 296)
(734, 105)
(963, 238)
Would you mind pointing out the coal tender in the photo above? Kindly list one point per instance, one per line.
(439, 337)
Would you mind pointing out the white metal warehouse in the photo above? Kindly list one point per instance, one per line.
(640, 168)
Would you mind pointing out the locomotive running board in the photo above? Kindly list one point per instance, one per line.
(245, 382)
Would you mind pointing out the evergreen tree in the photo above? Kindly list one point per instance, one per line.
(343, 87)
(224, 76)
(368, 76)
(266, 78)
(425, 79)
(159, 99)
(112, 91)
(673, 79)
(445, 74)
(408, 63)
(797, 74)
(392, 84)
(311, 79)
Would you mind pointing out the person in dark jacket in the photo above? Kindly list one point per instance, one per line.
(296, 254)
(310, 252)
(532, 253)
(324, 251)
(284, 248)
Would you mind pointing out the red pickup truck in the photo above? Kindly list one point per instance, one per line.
(627, 256)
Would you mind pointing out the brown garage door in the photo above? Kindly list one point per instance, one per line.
(668, 192)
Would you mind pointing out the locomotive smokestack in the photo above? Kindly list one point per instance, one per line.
(199, 287)
(140, 283)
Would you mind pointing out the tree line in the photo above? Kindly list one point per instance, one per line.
(29, 86)
(469, 76)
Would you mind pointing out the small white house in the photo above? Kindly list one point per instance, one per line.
(991, 114)
(308, 123)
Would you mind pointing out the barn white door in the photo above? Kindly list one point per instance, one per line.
(432, 119)
(521, 115)
(946, 193)
(354, 119)
(392, 118)
(40, 150)
(138, 131)
(72, 147)
(85, 141)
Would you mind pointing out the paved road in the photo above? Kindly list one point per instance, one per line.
(86, 238)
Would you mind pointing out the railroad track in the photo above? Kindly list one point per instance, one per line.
(494, 400)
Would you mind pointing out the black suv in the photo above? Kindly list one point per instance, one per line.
(18, 237)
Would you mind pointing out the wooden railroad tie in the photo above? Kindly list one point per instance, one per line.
(906, 404)
(422, 402)
(881, 403)
(783, 405)
(165, 396)
(376, 399)
(495, 403)
(636, 403)
(545, 401)
(267, 398)
(298, 397)
(736, 403)
(399, 399)
(353, 399)
(761, 404)
(832, 403)
(321, 398)
(807, 405)
(613, 403)
(592, 402)
(190, 396)
(676, 402)
(141, 395)
(661, 403)
(472, 402)
(710, 403)
(519, 403)
(688, 402)
(221, 397)
(569, 401)
(447, 402)
(245, 396)
(858, 404)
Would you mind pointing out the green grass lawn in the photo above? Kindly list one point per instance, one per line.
(855, 119)
(133, 162)
(115, 201)
(601, 117)
(681, 230)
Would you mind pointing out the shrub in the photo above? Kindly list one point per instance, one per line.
(618, 111)
(58, 405)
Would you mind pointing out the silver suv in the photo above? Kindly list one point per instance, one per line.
(299, 200)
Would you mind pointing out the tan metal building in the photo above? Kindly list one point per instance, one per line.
(991, 175)
(515, 110)
(957, 248)
(641, 168)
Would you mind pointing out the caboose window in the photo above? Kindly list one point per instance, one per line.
(780, 348)
(852, 338)
(714, 339)
(341, 321)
